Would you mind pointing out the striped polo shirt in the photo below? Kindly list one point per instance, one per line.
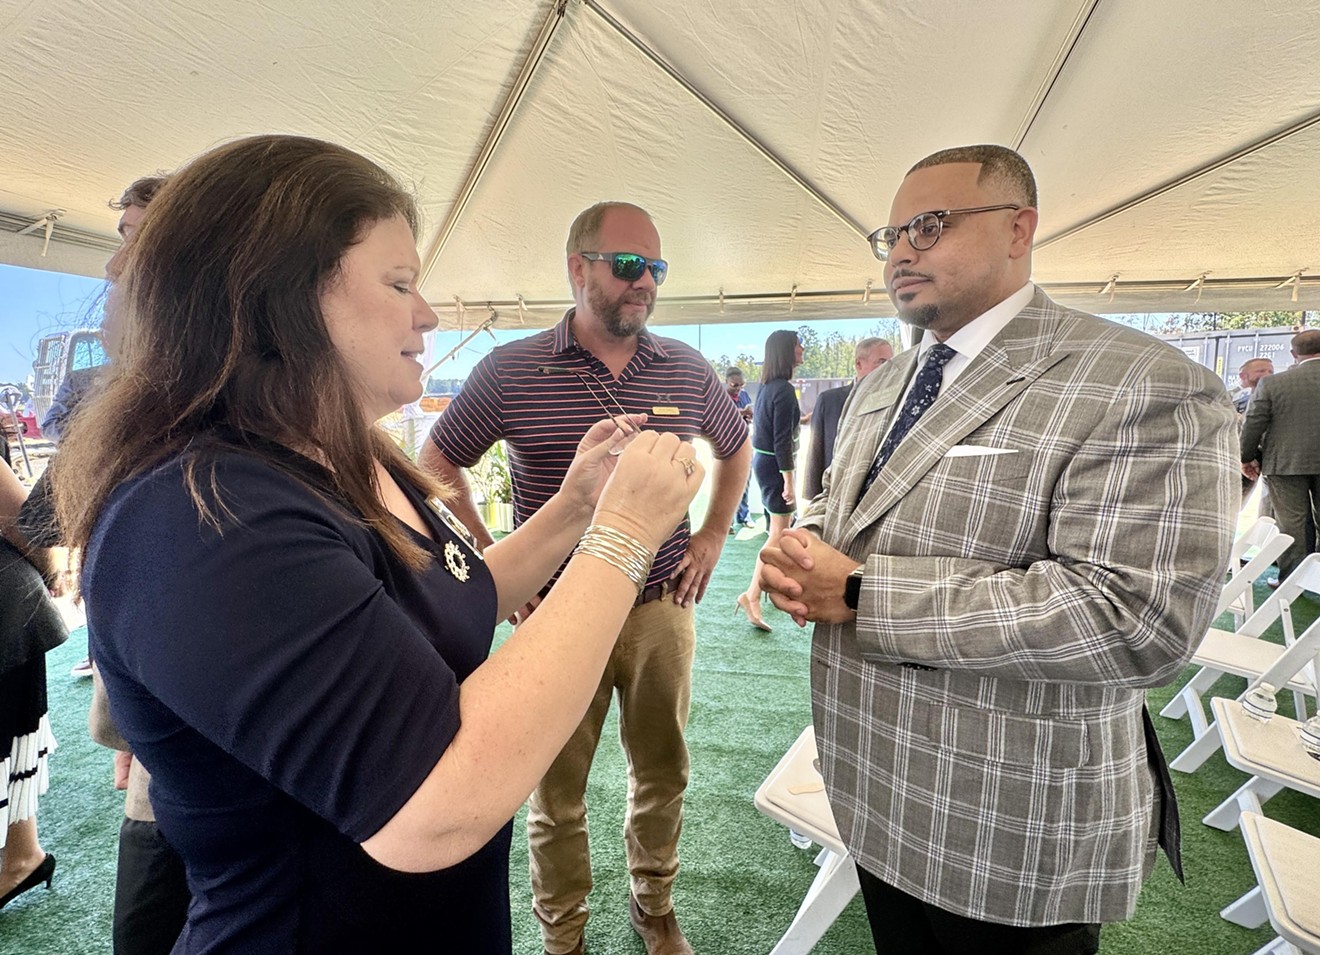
(531, 393)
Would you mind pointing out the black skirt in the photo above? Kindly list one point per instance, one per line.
(29, 626)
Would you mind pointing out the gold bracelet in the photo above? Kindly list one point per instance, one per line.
(619, 550)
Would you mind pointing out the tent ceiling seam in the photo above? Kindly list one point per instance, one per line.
(672, 72)
(502, 119)
(1046, 87)
(1182, 180)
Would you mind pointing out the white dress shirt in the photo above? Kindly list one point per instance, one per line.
(970, 340)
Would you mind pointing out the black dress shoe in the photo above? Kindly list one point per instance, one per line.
(42, 873)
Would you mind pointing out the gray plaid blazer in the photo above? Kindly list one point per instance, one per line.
(1045, 587)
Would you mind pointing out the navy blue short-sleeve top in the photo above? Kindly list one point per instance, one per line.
(290, 683)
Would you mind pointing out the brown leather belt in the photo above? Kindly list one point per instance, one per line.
(654, 592)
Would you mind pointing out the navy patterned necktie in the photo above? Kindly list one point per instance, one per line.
(925, 388)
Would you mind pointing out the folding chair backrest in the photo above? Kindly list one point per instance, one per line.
(1304, 651)
(1288, 591)
(1244, 576)
(1307, 575)
(1254, 536)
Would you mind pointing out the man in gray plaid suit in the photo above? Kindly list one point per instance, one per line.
(1026, 523)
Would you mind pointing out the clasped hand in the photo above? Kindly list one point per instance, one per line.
(805, 578)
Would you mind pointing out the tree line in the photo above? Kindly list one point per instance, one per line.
(831, 355)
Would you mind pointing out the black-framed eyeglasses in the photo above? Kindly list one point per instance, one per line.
(923, 230)
(629, 266)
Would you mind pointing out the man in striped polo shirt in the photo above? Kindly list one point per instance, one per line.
(540, 395)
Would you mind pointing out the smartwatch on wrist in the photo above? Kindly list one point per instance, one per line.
(852, 588)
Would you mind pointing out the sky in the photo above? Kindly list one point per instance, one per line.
(35, 303)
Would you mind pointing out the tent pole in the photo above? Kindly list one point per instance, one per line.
(1213, 166)
(1055, 71)
(497, 130)
(797, 177)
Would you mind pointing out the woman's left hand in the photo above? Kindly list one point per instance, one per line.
(597, 453)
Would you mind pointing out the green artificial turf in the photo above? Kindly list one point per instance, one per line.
(741, 878)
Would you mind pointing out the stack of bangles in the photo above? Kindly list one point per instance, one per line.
(619, 550)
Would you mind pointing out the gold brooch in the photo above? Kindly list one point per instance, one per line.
(456, 562)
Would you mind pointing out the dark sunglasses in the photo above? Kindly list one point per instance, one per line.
(629, 266)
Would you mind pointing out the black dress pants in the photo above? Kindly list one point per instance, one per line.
(904, 925)
(151, 893)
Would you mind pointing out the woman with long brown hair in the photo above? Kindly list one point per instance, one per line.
(776, 420)
(293, 631)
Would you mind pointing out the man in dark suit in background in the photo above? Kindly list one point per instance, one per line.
(1279, 440)
(1250, 375)
(869, 354)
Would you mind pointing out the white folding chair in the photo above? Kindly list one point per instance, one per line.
(1242, 653)
(1287, 894)
(1270, 751)
(1254, 552)
(794, 794)
(1264, 543)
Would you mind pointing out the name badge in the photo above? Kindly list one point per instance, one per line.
(665, 411)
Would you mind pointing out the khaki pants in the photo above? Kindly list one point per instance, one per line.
(651, 668)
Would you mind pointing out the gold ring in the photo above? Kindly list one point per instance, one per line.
(688, 466)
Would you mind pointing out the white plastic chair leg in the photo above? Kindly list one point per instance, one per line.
(1176, 708)
(1248, 911)
(1278, 947)
(1249, 798)
(1189, 697)
(1299, 706)
(834, 887)
(1198, 751)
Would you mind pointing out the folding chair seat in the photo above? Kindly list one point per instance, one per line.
(1269, 751)
(794, 794)
(1287, 894)
(1264, 543)
(1243, 654)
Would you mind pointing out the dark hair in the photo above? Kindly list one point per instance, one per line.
(1306, 342)
(140, 192)
(1000, 166)
(733, 370)
(223, 332)
(780, 356)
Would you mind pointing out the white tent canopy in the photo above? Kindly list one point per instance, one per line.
(1175, 144)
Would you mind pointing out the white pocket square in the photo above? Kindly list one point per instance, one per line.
(975, 451)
